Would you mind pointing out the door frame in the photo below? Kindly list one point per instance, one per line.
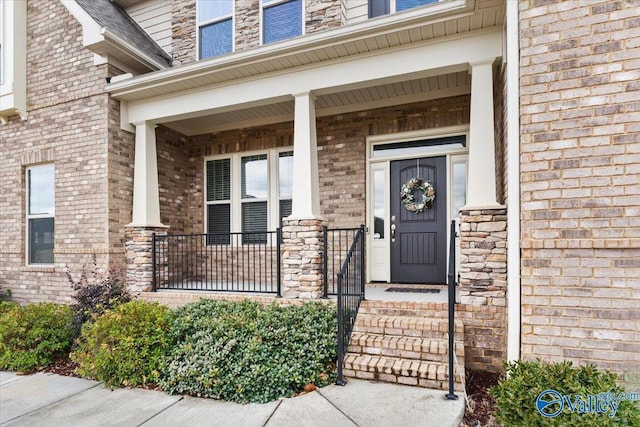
(379, 250)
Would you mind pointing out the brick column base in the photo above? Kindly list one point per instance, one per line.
(483, 286)
(302, 242)
(138, 260)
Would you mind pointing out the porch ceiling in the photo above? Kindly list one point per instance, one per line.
(433, 87)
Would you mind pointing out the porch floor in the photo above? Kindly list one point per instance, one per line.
(373, 291)
(406, 292)
(221, 286)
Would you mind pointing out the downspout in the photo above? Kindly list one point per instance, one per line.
(513, 183)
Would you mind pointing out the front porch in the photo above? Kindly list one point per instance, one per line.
(236, 176)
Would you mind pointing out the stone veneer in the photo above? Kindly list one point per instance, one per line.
(302, 258)
(483, 282)
(138, 254)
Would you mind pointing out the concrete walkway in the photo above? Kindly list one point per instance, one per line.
(53, 400)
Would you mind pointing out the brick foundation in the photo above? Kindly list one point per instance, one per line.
(302, 258)
(138, 248)
(483, 282)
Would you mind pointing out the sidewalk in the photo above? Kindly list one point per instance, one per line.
(53, 400)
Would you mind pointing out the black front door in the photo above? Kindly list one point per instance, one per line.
(419, 240)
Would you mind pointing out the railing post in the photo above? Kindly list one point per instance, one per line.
(279, 260)
(153, 262)
(325, 262)
(340, 379)
(362, 258)
(451, 288)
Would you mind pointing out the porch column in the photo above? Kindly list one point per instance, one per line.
(146, 200)
(302, 231)
(305, 198)
(146, 211)
(481, 186)
(483, 234)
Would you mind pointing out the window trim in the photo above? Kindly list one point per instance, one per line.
(29, 216)
(392, 4)
(215, 20)
(273, 198)
(13, 86)
(273, 3)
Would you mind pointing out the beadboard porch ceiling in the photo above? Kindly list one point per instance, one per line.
(385, 95)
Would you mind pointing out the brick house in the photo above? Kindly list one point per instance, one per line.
(124, 122)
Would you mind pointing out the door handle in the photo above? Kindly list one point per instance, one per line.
(393, 232)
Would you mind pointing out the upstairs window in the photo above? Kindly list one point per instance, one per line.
(40, 214)
(215, 27)
(384, 7)
(281, 19)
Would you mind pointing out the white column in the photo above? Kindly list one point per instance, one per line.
(514, 307)
(306, 197)
(146, 199)
(481, 185)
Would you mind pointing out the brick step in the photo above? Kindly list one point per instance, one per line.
(402, 371)
(405, 308)
(417, 348)
(407, 326)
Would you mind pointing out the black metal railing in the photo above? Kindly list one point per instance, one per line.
(451, 289)
(350, 282)
(337, 242)
(234, 262)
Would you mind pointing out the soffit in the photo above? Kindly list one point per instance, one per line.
(371, 37)
(416, 90)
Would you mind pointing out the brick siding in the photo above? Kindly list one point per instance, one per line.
(66, 126)
(580, 146)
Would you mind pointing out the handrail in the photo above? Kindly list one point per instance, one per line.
(350, 293)
(451, 289)
(336, 245)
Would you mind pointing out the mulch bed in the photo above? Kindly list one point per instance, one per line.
(62, 366)
(479, 412)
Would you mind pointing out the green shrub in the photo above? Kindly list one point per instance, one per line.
(516, 396)
(5, 295)
(95, 293)
(34, 335)
(6, 305)
(125, 346)
(244, 352)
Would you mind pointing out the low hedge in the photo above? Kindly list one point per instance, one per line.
(34, 335)
(244, 352)
(125, 346)
(532, 388)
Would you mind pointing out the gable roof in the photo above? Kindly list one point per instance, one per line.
(109, 15)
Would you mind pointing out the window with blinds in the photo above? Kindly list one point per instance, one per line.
(218, 201)
(285, 184)
(255, 193)
(40, 214)
(215, 27)
(281, 20)
(384, 7)
(249, 194)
